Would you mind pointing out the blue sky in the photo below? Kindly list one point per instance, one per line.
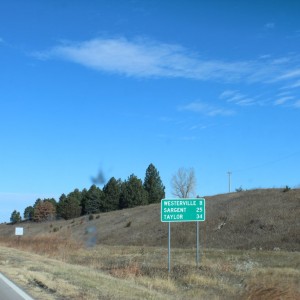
(117, 85)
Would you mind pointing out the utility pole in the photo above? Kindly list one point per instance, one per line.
(229, 180)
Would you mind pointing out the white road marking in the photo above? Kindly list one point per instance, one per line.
(15, 288)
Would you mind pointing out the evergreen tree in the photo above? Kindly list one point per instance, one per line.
(69, 206)
(28, 213)
(84, 194)
(60, 206)
(112, 192)
(37, 202)
(15, 217)
(94, 199)
(133, 193)
(153, 185)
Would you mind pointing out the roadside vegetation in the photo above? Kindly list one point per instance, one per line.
(66, 270)
(250, 249)
(115, 194)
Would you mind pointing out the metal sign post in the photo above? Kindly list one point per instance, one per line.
(169, 249)
(197, 244)
(19, 232)
(183, 210)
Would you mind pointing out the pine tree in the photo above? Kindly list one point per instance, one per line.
(112, 192)
(69, 206)
(133, 193)
(61, 206)
(153, 185)
(84, 194)
(15, 217)
(94, 199)
(28, 213)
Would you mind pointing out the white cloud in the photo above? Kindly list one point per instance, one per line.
(284, 93)
(289, 74)
(199, 126)
(270, 25)
(292, 85)
(144, 58)
(147, 58)
(227, 94)
(265, 56)
(295, 84)
(283, 100)
(3, 42)
(206, 109)
(294, 35)
(281, 60)
(188, 138)
(232, 96)
(297, 104)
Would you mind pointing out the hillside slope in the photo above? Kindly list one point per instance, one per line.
(261, 219)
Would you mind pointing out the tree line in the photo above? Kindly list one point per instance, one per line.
(115, 194)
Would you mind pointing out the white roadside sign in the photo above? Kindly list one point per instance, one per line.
(19, 231)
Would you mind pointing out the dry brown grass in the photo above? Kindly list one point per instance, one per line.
(141, 272)
(47, 245)
(273, 283)
(238, 259)
(261, 219)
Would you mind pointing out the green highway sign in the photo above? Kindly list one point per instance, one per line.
(183, 210)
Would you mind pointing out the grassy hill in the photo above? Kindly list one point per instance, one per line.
(265, 219)
(129, 257)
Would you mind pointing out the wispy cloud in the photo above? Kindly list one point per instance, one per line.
(283, 100)
(147, 58)
(297, 104)
(3, 42)
(188, 138)
(206, 109)
(199, 127)
(294, 35)
(144, 58)
(294, 85)
(289, 74)
(269, 25)
(232, 96)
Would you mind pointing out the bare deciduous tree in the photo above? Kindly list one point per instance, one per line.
(184, 183)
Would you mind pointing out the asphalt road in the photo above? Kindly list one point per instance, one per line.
(9, 291)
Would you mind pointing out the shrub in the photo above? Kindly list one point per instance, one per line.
(240, 189)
